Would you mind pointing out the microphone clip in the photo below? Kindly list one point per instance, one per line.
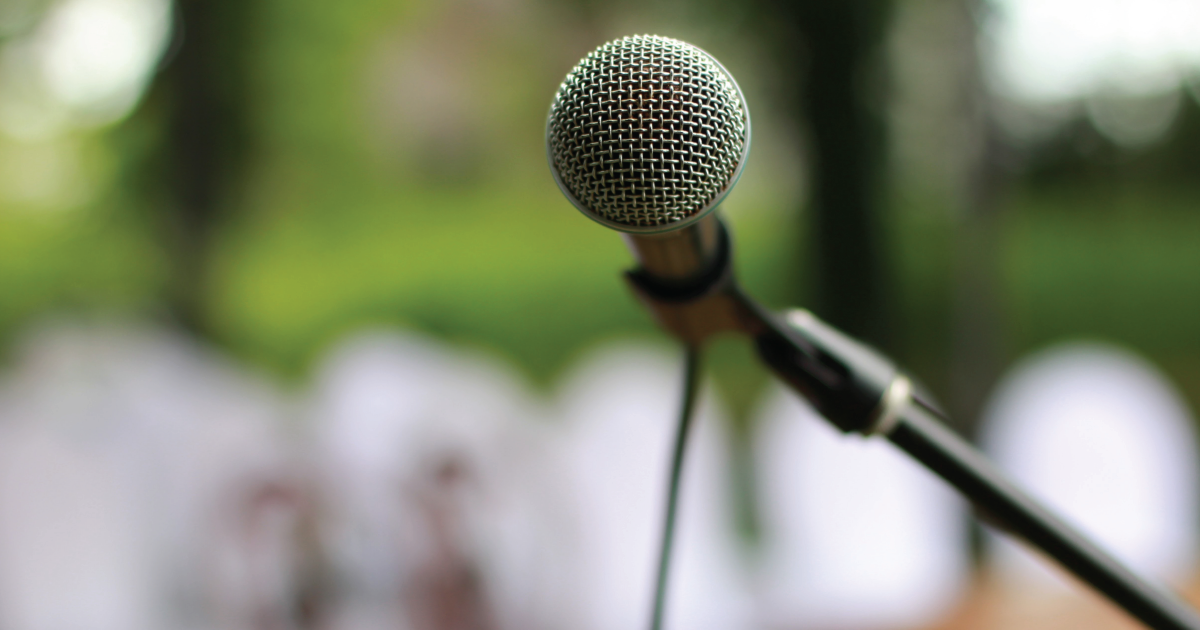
(700, 308)
(844, 380)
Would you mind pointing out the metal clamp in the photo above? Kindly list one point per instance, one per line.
(891, 406)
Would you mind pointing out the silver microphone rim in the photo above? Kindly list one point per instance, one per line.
(670, 227)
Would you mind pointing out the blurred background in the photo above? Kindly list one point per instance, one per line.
(222, 195)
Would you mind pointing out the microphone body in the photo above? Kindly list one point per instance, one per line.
(680, 257)
(646, 136)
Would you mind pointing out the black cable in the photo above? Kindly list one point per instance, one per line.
(691, 382)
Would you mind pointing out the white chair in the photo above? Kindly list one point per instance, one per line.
(1102, 437)
(434, 470)
(855, 534)
(620, 407)
(121, 449)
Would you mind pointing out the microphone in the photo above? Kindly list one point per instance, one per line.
(647, 135)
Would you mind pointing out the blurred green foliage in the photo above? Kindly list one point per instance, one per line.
(362, 208)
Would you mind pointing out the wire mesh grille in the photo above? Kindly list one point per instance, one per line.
(647, 131)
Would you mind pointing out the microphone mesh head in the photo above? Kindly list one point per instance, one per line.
(647, 134)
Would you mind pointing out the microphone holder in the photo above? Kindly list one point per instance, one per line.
(860, 391)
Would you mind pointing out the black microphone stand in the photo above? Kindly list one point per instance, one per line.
(860, 391)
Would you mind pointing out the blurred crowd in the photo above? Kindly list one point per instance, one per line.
(148, 482)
